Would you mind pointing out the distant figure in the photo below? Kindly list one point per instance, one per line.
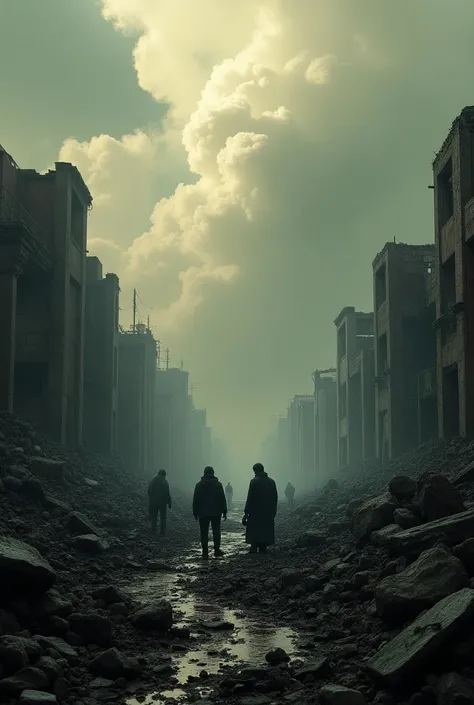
(209, 506)
(229, 493)
(160, 499)
(260, 511)
(290, 494)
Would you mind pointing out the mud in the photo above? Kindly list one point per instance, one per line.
(220, 638)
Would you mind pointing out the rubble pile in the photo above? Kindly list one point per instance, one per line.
(73, 527)
(377, 573)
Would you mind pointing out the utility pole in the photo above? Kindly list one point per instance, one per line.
(134, 327)
(148, 323)
(167, 357)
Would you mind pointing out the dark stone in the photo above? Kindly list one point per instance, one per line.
(402, 487)
(311, 539)
(60, 646)
(453, 689)
(78, 523)
(92, 627)
(155, 616)
(372, 515)
(23, 569)
(439, 498)
(29, 678)
(434, 575)
(465, 553)
(318, 668)
(406, 519)
(333, 694)
(47, 468)
(450, 530)
(90, 543)
(37, 697)
(276, 656)
(113, 664)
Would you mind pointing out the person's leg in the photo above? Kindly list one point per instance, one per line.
(216, 535)
(163, 512)
(204, 530)
(153, 517)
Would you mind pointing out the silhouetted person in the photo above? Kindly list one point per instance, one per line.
(229, 493)
(290, 494)
(209, 506)
(159, 500)
(260, 511)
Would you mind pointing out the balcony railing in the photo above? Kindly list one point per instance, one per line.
(13, 214)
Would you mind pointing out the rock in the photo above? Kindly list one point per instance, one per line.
(402, 487)
(371, 516)
(51, 604)
(47, 468)
(31, 647)
(90, 543)
(157, 616)
(465, 553)
(276, 656)
(92, 627)
(78, 523)
(453, 689)
(219, 625)
(406, 519)
(395, 662)
(434, 575)
(53, 503)
(27, 679)
(23, 569)
(310, 539)
(379, 538)
(8, 623)
(111, 595)
(439, 498)
(13, 658)
(450, 530)
(32, 488)
(113, 664)
(332, 694)
(101, 683)
(37, 697)
(318, 668)
(289, 578)
(51, 667)
(60, 646)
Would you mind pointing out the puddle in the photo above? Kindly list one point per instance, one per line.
(210, 650)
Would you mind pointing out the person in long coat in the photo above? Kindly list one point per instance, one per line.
(260, 511)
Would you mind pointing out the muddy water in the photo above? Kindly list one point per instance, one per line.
(210, 650)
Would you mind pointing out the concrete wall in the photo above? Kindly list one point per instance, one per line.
(325, 424)
(173, 407)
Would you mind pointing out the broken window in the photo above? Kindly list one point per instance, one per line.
(341, 341)
(448, 283)
(382, 354)
(380, 285)
(77, 221)
(445, 193)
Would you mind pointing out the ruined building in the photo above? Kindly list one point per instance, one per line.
(453, 171)
(136, 398)
(301, 440)
(172, 422)
(101, 359)
(355, 387)
(43, 236)
(199, 443)
(325, 424)
(404, 346)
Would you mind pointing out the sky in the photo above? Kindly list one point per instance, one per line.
(247, 162)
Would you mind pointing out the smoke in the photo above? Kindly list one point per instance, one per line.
(298, 140)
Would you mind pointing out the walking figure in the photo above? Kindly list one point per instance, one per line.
(290, 495)
(260, 511)
(159, 497)
(229, 493)
(209, 507)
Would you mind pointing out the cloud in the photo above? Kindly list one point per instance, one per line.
(306, 130)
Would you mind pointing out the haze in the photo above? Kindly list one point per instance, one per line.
(247, 161)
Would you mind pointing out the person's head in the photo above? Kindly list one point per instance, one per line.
(258, 469)
(208, 471)
(162, 473)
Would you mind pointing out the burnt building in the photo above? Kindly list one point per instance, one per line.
(137, 357)
(404, 344)
(453, 171)
(43, 240)
(101, 359)
(355, 387)
(325, 424)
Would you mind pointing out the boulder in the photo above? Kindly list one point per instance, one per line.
(113, 664)
(276, 656)
(453, 689)
(78, 523)
(47, 468)
(465, 552)
(434, 575)
(111, 595)
(90, 543)
(402, 487)
(317, 668)
(439, 498)
(8, 623)
(450, 530)
(157, 616)
(23, 569)
(92, 627)
(466, 475)
(333, 694)
(406, 519)
(29, 646)
(29, 678)
(52, 604)
(60, 646)
(37, 697)
(398, 661)
(371, 516)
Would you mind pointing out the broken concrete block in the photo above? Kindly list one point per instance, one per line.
(450, 530)
(434, 575)
(371, 516)
(396, 661)
(439, 498)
